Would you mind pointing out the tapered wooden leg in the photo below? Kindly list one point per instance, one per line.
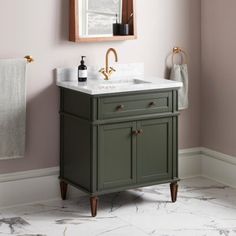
(94, 206)
(174, 191)
(63, 186)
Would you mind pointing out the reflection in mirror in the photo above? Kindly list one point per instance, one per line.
(96, 17)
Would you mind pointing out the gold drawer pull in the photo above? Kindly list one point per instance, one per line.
(151, 104)
(120, 107)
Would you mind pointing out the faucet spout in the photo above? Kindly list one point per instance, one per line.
(107, 71)
(107, 57)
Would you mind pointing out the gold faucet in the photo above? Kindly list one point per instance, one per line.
(107, 71)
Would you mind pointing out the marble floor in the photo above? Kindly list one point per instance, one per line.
(204, 208)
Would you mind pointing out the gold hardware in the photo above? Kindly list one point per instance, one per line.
(29, 59)
(120, 107)
(178, 50)
(135, 132)
(140, 131)
(152, 104)
(107, 71)
(114, 70)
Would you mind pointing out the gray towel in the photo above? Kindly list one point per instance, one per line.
(180, 73)
(12, 108)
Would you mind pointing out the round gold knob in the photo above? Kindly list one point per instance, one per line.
(135, 132)
(151, 104)
(120, 107)
(140, 131)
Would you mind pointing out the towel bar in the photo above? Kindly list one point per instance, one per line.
(178, 50)
(29, 58)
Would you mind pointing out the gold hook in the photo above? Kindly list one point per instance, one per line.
(29, 58)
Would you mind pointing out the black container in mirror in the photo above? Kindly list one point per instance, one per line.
(116, 29)
(120, 29)
(123, 29)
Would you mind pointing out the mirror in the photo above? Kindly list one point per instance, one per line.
(97, 17)
(102, 20)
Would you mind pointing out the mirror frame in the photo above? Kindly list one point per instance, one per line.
(74, 24)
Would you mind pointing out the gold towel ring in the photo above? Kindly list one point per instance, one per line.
(184, 56)
(29, 59)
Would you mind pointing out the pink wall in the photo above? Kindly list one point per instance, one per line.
(218, 129)
(40, 28)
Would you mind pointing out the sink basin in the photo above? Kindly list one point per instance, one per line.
(120, 83)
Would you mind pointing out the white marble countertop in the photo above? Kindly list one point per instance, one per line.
(100, 87)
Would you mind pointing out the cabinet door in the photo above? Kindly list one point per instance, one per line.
(154, 150)
(116, 155)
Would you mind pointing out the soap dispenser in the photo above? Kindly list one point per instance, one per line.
(82, 71)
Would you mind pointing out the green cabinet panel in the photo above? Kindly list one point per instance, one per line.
(78, 104)
(154, 150)
(76, 151)
(116, 155)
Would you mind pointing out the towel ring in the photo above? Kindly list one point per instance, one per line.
(184, 56)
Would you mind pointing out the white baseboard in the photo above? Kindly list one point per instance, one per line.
(28, 190)
(42, 185)
(31, 187)
(189, 163)
(29, 174)
(219, 167)
(209, 164)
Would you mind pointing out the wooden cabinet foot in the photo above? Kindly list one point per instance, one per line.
(94, 206)
(174, 191)
(63, 187)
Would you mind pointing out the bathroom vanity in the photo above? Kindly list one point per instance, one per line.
(118, 137)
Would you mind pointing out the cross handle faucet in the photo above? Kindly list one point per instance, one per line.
(108, 71)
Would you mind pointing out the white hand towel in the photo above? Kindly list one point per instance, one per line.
(180, 73)
(12, 108)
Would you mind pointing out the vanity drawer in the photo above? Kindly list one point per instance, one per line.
(131, 105)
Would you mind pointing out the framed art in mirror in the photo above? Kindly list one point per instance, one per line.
(102, 20)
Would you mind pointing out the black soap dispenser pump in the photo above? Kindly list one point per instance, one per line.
(82, 71)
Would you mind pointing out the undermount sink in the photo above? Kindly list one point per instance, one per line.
(112, 84)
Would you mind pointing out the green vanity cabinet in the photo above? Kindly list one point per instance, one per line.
(116, 142)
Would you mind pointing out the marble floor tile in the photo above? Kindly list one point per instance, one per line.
(204, 208)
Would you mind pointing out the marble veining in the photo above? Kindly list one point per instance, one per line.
(32, 235)
(13, 224)
(204, 208)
